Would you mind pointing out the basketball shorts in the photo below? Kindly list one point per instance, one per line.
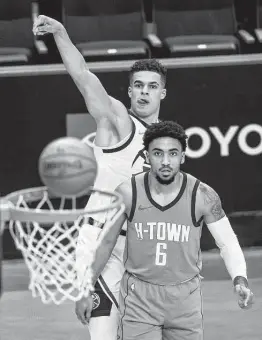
(104, 319)
(149, 311)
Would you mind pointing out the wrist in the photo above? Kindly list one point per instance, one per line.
(60, 31)
(93, 282)
(240, 280)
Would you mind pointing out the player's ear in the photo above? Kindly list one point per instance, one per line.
(183, 158)
(129, 91)
(147, 156)
(163, 94)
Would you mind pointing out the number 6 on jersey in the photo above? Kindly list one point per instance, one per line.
(160, 255)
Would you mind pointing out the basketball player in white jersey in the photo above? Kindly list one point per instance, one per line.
(160, 296)
(119, 154)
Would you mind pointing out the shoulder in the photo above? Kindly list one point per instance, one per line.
(209, 202)
(125, 191)
(119, 108)
(139, 123)
(206, 195)
(206, 191)
(121, 119)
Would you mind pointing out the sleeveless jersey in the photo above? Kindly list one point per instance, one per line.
(117, 164)
(163, 243)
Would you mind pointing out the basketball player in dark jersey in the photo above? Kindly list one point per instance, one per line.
(160, 296)
(119, 154)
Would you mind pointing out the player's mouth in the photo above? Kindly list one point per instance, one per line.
(166, 172)
(142, 101)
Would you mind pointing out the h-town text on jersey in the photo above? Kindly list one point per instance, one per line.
(162, 231)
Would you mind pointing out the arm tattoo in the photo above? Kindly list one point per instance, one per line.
(212, 199)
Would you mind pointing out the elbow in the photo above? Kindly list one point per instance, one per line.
(109, 244)
(231, 246)
(83, 71)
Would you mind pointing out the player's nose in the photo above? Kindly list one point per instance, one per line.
(144, 89)
(165, 160)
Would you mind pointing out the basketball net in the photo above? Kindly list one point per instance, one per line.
(47, 234)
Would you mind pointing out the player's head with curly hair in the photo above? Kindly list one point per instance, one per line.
(147, 79)
(166, 128)
(151, 65)
(165, 144)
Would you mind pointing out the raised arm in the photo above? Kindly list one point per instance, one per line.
(99, 104)
(209, 205)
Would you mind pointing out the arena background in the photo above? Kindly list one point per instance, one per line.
(217, 99)
(215, 96)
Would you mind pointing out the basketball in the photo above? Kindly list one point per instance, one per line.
(67, 167)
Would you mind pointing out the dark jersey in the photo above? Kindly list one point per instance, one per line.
(163, 243)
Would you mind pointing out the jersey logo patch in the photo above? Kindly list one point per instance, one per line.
(96, 300)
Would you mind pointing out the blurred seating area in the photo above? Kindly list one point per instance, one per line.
(106, 30)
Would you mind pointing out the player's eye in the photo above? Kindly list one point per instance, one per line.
(153, 86)
(138, 85)
(174, 153)
(157, 153)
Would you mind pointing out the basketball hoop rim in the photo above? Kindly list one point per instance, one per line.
(48, 242)
(11, 212)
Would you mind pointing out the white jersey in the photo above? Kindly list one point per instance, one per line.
(117, 164)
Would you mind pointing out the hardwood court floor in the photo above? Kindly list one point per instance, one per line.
(25, 318)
